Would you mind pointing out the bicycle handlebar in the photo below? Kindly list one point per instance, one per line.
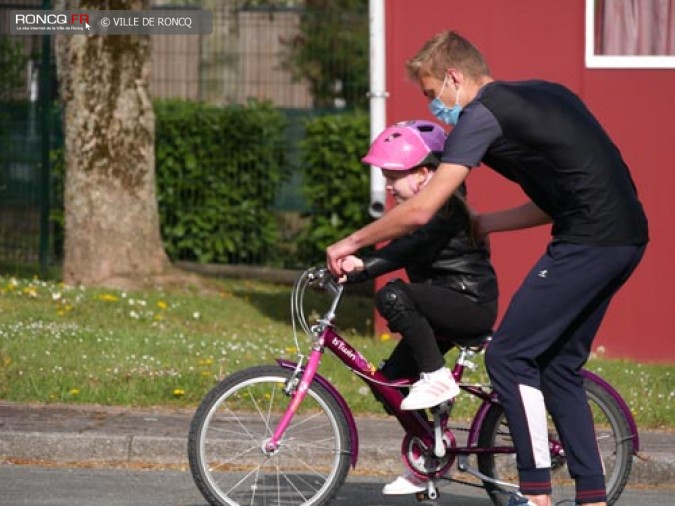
(316, 276)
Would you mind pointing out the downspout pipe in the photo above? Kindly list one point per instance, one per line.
(378, 98)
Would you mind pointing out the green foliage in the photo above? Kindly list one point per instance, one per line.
(336, 183)
(331, 51)
(12, 67)
(13, 62)
(217, 173)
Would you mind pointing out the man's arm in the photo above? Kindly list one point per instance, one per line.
(525, 216)
(403, 218)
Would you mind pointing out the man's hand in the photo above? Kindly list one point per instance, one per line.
(478, 234)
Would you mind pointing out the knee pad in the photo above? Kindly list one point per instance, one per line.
(394, 304)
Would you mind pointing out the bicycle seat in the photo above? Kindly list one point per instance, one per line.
(479, 341)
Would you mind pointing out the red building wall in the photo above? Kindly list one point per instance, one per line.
(545, 39)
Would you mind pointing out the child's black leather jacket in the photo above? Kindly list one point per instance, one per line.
(440, 253)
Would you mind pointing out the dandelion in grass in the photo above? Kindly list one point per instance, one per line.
(31, 291)
(74, 392)
(162, 305)
(178, 392)
(108, 297)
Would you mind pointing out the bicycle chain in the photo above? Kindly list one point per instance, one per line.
(476, 485)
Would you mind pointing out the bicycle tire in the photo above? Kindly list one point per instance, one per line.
(237, 417)
(613, 434)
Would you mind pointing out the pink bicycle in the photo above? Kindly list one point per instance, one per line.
(284, 435)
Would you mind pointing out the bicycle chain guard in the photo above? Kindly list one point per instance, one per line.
(420, 459)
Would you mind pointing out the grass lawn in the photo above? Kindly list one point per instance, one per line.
(170, 346)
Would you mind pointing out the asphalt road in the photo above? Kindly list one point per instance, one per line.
(59, 486)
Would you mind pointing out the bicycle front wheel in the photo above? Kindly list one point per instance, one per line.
(234, 421)
(613, 436)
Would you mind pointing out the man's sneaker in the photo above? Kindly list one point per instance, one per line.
(432, 389)
(407, 483)
(514, 500)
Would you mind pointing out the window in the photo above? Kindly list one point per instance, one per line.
(630, 33)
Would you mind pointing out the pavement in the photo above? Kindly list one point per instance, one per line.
(102, 436)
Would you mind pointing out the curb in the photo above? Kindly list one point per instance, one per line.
(656, 468)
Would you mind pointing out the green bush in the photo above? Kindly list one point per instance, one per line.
(218, 169)
(335, 182)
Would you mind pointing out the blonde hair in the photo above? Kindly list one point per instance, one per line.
(447, 50)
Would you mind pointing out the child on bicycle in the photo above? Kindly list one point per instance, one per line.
(453, 286)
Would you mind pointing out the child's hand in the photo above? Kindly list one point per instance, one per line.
(335, 253)
(350, 263)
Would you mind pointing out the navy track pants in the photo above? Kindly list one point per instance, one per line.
(535, 356)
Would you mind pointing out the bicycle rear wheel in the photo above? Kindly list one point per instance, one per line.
(613, 435)
(232, 425)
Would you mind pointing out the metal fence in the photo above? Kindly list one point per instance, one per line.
(26, 89)
(248, 55)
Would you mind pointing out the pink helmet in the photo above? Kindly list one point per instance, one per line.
(406, 145)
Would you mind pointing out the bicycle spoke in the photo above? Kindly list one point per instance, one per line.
(262, 417)
(227, 462)
(242, 480)
(309, 464)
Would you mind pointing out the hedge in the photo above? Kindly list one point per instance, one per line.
(336, 183)
(218, 169)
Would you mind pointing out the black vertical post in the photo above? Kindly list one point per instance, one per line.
(45, 123)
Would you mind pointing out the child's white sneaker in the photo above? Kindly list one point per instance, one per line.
(432, 389)
(407, 483)
(514, 500)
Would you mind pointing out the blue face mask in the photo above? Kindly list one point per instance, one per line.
(449, 115)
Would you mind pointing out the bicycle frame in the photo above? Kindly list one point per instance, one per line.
(390, 394)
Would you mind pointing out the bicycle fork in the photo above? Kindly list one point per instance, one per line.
(272, 444)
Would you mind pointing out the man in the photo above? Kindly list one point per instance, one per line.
(541, 136)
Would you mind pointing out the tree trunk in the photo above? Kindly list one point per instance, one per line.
(111, 214)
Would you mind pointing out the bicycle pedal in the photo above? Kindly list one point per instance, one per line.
(441, 408)
(423, 497)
